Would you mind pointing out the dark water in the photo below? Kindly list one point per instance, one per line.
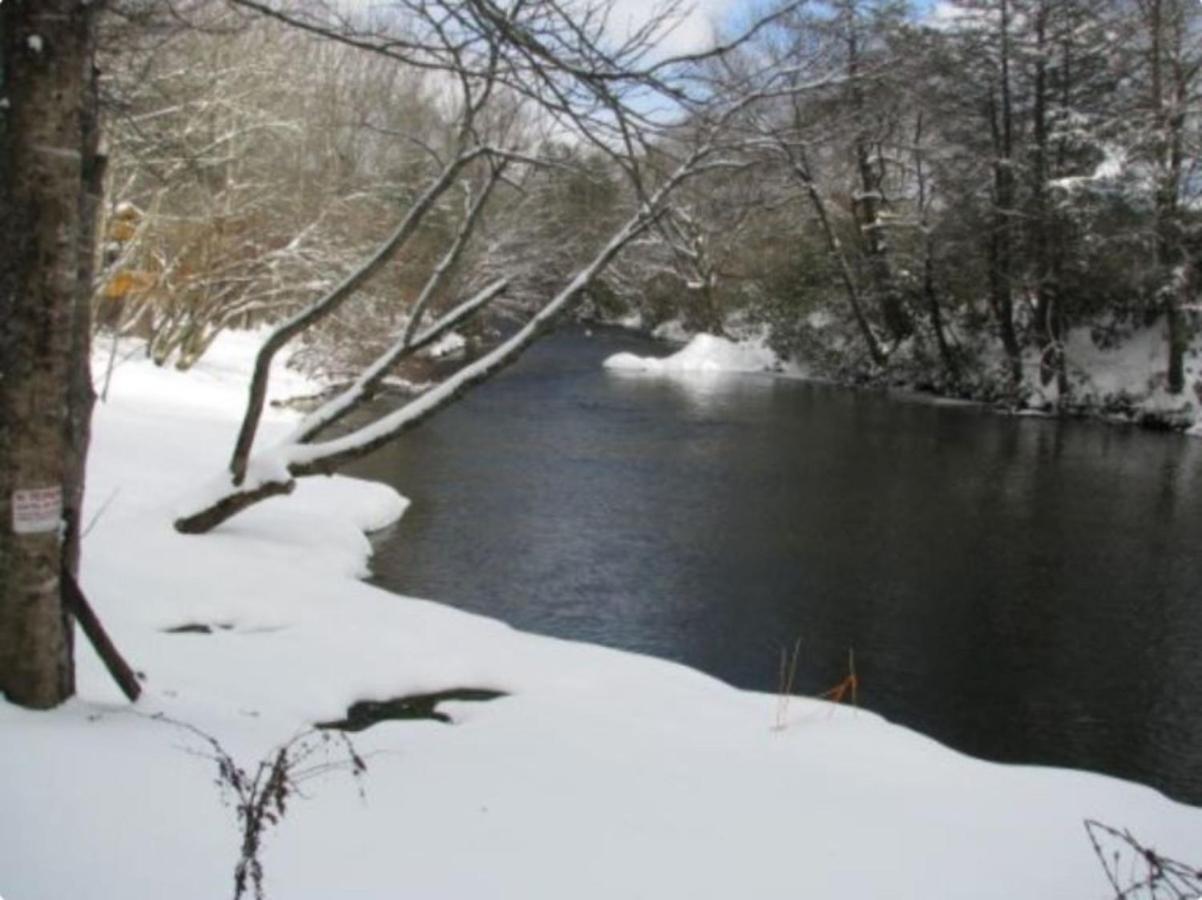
(1020, 589)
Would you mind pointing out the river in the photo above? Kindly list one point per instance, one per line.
(1023, 590)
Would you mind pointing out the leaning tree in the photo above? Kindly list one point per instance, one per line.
(659, 120)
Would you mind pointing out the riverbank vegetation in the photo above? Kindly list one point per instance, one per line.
(976, 198)
(988, 182)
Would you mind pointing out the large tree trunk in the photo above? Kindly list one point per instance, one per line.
(81, 397)
(47, 154)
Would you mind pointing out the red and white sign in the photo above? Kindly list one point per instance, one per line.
(37, 510)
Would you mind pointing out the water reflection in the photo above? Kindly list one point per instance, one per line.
(1021, 589)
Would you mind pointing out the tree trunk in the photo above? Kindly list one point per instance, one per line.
(82, 396)
(300, 459)
(870, 199)
(931, 295)
(1044, 235)
(801, 169)
(711, 309)
(1178, 329)
(1001, 245)
(47, 154)
(331, 301)
(867, 209)
(1169, 105)
(930, 292)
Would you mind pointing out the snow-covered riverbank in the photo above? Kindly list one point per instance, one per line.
(601, 774)
(1114, 373)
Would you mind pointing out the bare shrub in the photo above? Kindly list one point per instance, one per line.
(260, 795)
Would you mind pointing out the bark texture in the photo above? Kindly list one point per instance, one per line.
(47, 153)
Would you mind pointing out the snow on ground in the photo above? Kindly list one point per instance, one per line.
(602, 775)
(1135, 367)
(448, 345)
(1128, 374)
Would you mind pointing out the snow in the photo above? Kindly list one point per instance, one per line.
(1114, 165)
(1116, 369)
(1128, 367)
(705, 353)
(602, 775)
(1134, 369)
(448, 345)
(632, 321)
(406, 385)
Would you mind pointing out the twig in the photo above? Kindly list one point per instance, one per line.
(788, 671)
(1166, 879)
(100, 512)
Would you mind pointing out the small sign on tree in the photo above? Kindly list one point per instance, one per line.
(37, 510)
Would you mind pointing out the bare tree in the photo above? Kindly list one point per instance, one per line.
(250, 164)
(566, 63)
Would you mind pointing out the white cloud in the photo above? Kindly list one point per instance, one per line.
(693, 28)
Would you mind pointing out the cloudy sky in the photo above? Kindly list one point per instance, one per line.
(694, 31)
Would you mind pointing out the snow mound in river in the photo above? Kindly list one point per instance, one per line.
(704, 353)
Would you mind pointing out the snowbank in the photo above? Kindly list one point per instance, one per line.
(1122, 376)
(705, 353)
(1116, 370)
(601, 775)
(1134, 367)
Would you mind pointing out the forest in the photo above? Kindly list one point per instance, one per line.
(934, 197)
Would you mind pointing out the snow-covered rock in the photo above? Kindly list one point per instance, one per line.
(705, 353)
